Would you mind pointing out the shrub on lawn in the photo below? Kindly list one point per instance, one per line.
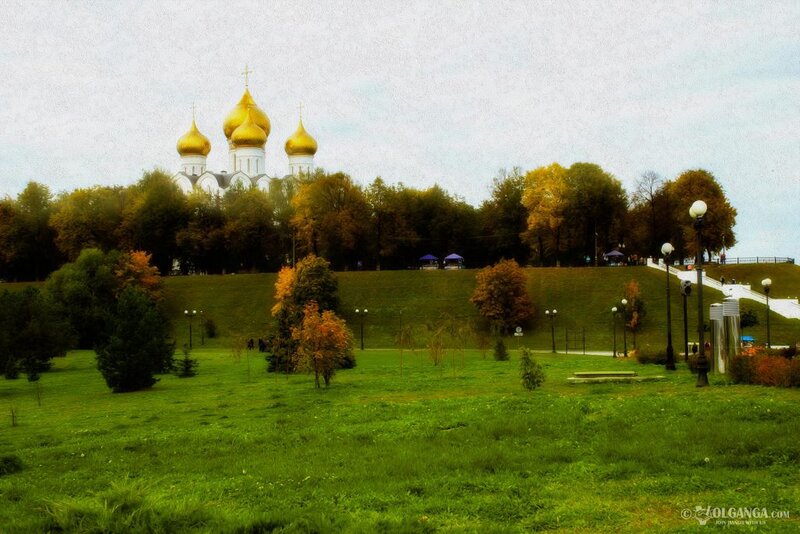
(647, 355)
(530, 371)
(500, 351)
(10, 464)
(760, 366)
(741, 370)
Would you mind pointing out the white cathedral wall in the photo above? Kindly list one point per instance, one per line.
(183, 183)
(193, 165)
(298, 164)
(240, 179)
(209, 184)
(249, 160)
(263, 183)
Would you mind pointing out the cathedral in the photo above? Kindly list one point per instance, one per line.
(246, 129)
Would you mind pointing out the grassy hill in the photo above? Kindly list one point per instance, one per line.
(240, 304)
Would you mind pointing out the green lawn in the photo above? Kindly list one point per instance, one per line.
(463, 448)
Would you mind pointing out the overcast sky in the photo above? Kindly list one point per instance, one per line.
(419, 93)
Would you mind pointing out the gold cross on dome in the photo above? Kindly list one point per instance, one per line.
(194, 109)
(301, 110)
(246, 75)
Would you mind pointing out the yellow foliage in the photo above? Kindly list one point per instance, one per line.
(283, 289)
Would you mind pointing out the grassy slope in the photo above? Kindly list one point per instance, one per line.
(583, 297)
(461, 449)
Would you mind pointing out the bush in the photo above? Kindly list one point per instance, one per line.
(757, 366)
(210, 327)
(10, 464)
(772, 371)
(647, 355)
(500, 351)
(530, 371)
(186, 366)
(741, 370)
(137, 348)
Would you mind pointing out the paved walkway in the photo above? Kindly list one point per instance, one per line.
(788, 308)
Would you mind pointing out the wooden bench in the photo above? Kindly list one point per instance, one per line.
(604, 377)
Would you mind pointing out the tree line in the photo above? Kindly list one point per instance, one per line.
(551, 215)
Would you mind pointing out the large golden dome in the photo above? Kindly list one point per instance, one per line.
(249, 133)
(193, 143)
(301, 143)
(237, 115)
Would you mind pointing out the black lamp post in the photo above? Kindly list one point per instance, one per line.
(552, 316)
(189, 316)
(686, 290)
(614, 329)
(697, 211)
(666, 250)
(202, 328)
(361, 314)
(624, 303)
(766, 283)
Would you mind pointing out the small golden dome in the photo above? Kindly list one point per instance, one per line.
(193, 143)
(237, 115)
(301, 143)
(249, 133)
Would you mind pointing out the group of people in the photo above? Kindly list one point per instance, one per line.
(262, 345)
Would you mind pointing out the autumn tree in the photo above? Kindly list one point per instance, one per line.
(546, 198)
(250, 235)
(504, 218)
(331, 219)
(718, 221)
(27, 242)
(635, 310)
(597, 208)
(152, 216)
(87, 289)
(324, 343)
(391, 229)
(310, 281)
(501, 296)
(202, 244)
(88, 218)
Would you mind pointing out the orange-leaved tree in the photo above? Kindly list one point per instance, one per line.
(323, 343)
(501, 296)
(135, 269)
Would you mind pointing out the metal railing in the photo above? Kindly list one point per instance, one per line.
(755, 259)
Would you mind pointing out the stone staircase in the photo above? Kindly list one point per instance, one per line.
(788, 308)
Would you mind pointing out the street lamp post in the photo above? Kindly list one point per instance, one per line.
(614, 329)
(552, 316)
(766, 283)
(686, 290)
(624, 303)
(666, 250)
(697, 211)
(202, 328)
(189, 316)
(361, 314)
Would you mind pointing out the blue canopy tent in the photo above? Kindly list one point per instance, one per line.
(454, 261)
(614, 257)
(429, 261)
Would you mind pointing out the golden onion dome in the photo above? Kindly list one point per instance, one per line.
(249, 133)
(193, 143)
(301, 143)
(237, 115)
